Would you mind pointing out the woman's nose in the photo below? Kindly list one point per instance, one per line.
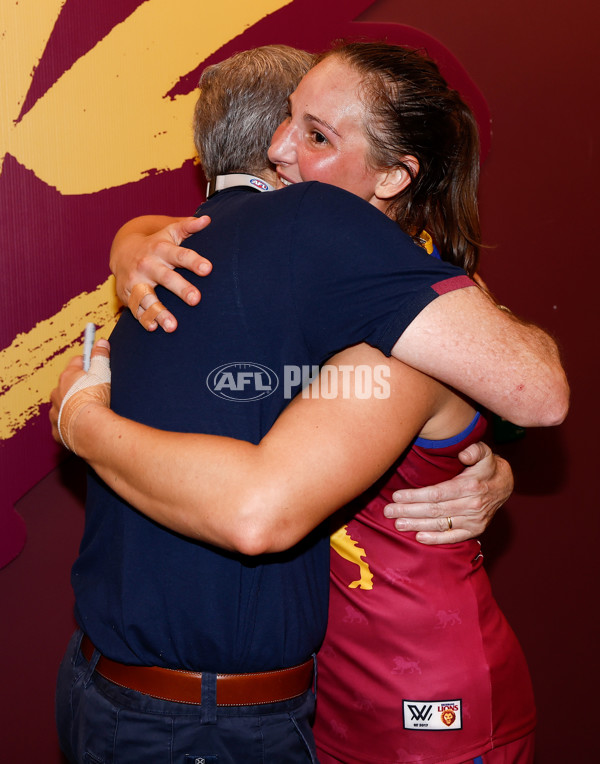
(282, 146)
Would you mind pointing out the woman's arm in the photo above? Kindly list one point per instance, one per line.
(257, 498)
(146, 250)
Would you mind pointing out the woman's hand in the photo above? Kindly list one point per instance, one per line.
(145, 253)
(77, 390)
(458, 509)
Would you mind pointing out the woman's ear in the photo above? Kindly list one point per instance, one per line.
(391, 182)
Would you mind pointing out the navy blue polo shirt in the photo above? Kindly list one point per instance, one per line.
(298, 275)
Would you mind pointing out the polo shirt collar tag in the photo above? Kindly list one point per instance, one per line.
(236, 179)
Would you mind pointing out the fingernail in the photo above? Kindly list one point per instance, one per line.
(169, 324)
(103, 344)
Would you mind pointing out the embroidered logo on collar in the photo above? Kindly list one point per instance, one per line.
(260, 184)
(236, 179)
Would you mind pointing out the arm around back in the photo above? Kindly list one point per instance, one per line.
(146, 250)
(263, 498)
(511, 367)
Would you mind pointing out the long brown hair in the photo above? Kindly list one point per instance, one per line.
(413, 111)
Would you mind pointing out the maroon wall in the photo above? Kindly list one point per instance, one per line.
(535, 62)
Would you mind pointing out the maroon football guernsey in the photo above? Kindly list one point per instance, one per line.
(419, 664)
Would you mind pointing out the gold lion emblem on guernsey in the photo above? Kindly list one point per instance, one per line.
(448, 717)
(347, 548)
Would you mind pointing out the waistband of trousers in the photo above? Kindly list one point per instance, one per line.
(181, 686)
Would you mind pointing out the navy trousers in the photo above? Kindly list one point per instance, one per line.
(101, 723)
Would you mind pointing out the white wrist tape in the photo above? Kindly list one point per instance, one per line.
(97, 376)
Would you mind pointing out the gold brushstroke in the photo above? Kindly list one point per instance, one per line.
(104, 123)
(33, 361)
(107, 120)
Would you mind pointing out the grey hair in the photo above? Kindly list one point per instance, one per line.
(242, 101)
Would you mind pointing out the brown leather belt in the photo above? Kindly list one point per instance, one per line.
(186, 686)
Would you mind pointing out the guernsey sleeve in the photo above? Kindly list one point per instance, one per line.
(356, 277)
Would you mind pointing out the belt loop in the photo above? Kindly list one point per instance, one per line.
(91, 668)
(75, 652)
(208, 707)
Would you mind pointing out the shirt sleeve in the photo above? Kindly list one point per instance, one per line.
(356, 276)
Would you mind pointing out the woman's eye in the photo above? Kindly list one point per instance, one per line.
(318, 137)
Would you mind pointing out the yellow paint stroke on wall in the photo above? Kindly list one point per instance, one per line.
(32, 363)
(24, 30)
(107, 120)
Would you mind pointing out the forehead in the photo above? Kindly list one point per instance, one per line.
(332, 86)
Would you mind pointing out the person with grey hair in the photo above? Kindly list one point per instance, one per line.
(204, 653)
(233, 125)
(243, 101)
